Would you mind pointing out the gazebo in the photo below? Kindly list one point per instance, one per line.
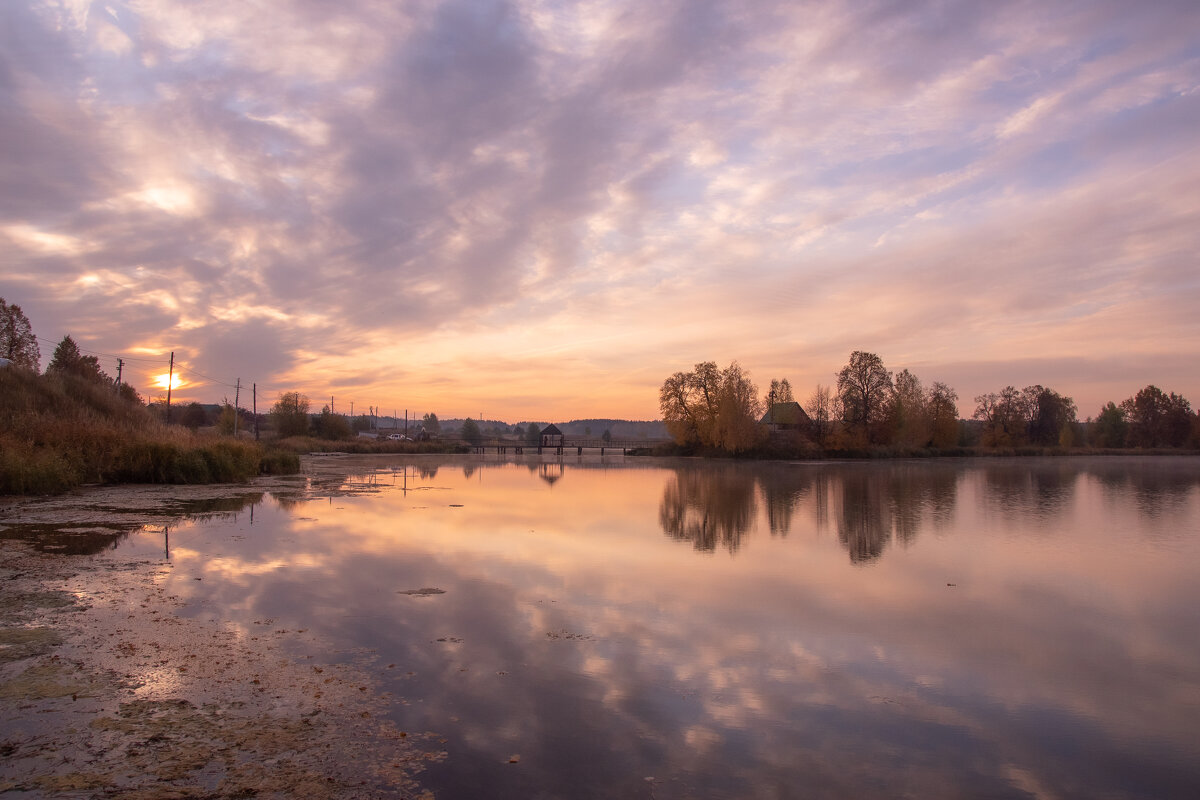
(551, 436)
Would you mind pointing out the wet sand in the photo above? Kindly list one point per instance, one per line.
(107, 691)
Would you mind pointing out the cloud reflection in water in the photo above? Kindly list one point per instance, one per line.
(998, 628)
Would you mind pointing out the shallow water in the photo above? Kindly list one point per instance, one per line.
(636, 628)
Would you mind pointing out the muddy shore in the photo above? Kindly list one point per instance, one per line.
(107, 691)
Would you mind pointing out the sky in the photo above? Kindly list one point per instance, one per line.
(535, 210)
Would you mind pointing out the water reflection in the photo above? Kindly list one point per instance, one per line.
(869, 505)
(1020, 629)
(874, 506)
(86, 531)
(1157, 487)
(709, 507)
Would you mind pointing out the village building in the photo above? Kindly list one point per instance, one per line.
(788, 416)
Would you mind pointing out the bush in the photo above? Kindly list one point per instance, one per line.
(58, 431)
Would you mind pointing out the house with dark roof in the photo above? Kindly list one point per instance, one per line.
(786, 417)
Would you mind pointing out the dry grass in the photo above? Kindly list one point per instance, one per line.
(60, 431)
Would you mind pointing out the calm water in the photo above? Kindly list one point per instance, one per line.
(662, 629)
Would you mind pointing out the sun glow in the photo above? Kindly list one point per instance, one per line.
(162, 381)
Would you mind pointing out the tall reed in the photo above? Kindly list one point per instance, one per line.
(60, 431)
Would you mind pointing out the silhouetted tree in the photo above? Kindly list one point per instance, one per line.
(821, 411)
(470, 431)
(17, 341)
(907, 416)
(780, 392)
(1157, 419)
(290, 414)
(1004, 416)
(1110, 428)
(67, 360)
(194, 416)
(431, 425)
(533, 433)
(329, 425)
(863, 386)
(1050, 415)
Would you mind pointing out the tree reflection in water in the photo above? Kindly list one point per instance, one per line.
(1158, 487)
(862, 524)
(1039, 488)
(709, 507)
(868, 505)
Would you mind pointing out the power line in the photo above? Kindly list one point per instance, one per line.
(183, 366)
(106, 355)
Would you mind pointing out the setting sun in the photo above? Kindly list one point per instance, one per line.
(162, 380)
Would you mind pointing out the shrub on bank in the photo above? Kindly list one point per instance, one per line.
(58, 431)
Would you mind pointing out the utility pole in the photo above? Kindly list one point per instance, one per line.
(237, 390)
(120, 364)
(255, 427)
(332, 410)
(170, 380)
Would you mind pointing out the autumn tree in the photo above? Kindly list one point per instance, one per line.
(941, 407)
(907, 418)
(290, 414)
(688, 401)
(712, 407)
(821, 411)
(738, 408)
(17, 341)
(1004, 416)
(863, 386)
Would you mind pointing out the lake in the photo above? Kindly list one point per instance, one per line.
(625, 627)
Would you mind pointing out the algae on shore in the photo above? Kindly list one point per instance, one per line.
(106, 691)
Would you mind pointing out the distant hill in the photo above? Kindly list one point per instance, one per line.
(619, 428)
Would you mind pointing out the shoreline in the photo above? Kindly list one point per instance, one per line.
(107, 690)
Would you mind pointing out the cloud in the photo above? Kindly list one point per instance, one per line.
(644, 185)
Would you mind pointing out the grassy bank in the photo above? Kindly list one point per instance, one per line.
(61, 431)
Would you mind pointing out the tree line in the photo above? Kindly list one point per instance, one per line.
(871, 407)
